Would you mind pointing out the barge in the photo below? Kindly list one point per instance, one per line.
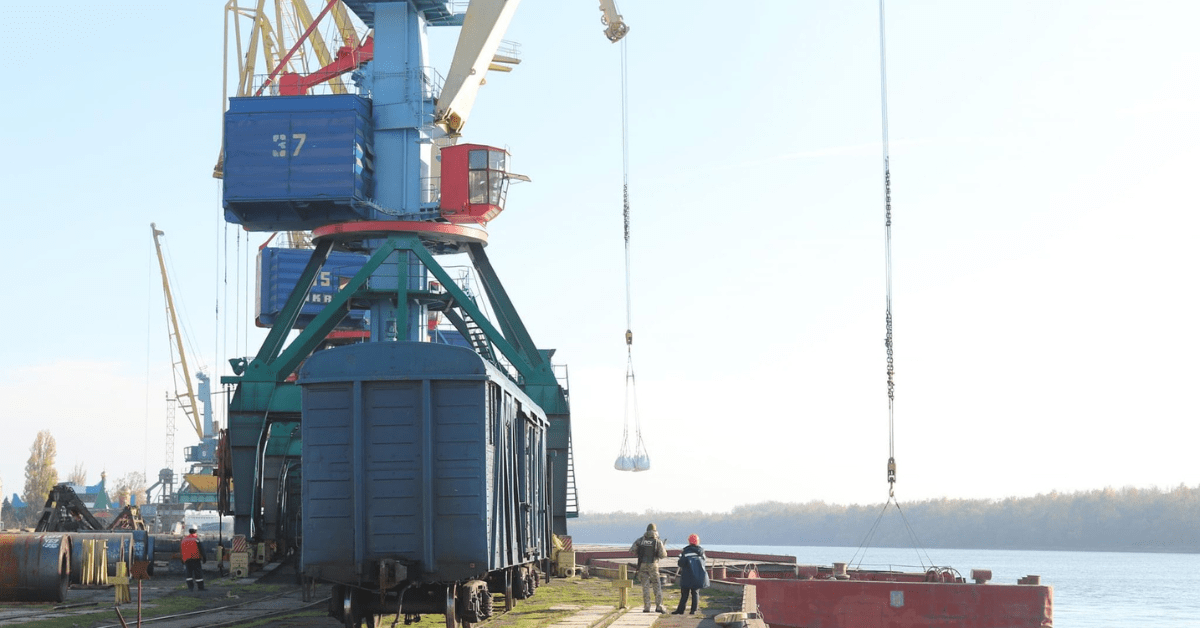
(791, 595)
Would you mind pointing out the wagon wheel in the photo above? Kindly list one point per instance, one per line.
(474, 603)
(451, 616)
(349, 612)
(509, 602)
(485, 601)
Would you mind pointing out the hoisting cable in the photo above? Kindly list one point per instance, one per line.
(887, 253)
(891, 365)
(635, 458)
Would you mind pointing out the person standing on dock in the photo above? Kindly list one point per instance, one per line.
(192, 555)
(693, 574)
(649, 549)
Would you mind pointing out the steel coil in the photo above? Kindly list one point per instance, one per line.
(120, 547)
(34, 567)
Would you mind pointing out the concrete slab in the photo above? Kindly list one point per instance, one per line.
(635, 618)
(586, 617)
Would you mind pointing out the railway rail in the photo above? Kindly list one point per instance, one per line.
(211, 616)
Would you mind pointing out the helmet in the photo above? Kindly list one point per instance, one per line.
(192, 529)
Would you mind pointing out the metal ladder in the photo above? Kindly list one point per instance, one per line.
(572, 495)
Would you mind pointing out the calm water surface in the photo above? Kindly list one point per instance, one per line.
(1091, 589)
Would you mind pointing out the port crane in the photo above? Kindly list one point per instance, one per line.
(396, 143)
(201, 455)
(179, 366)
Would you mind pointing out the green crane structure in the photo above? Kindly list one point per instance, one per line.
(265, 408)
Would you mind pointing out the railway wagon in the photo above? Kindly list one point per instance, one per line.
(425, 484)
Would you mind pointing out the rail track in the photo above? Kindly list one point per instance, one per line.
(213, 615)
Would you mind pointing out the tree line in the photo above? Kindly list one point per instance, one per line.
(41, 475)
(1127, 520)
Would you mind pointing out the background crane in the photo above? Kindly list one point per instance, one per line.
(185, 397)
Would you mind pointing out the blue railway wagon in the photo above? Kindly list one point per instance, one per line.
(294, 163)
(425, 480)
(279, 270)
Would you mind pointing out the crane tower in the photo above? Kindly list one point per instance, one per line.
(376, 172)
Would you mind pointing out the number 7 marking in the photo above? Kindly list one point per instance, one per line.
(301, 137)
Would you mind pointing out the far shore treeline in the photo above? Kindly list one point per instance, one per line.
(1115, 520)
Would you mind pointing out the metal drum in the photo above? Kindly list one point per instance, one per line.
(121, 547)
(167, 544)
(34, 567)
(165, 550)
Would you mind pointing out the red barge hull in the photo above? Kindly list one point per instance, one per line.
(852, 603)
(789, 595)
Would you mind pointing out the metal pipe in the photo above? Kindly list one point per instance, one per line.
(34, 567)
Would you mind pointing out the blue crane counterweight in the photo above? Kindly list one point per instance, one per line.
(293, 163)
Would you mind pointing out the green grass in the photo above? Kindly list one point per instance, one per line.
(269, 621)
(539, 611)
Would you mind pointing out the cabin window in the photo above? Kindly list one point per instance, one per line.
(486, 176)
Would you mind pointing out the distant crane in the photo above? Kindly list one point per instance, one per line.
(203, 455)
(179, 366)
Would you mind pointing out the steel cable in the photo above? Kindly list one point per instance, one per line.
(635, 458)
(888, 344)
(887, 228)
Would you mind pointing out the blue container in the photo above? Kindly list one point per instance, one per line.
(293, 163)
(278, 272)
(424, 454)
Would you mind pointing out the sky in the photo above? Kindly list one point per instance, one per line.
(1043, 160)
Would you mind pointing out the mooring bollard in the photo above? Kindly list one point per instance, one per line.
(623, 583)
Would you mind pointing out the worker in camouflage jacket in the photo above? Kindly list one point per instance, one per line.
(649, 549)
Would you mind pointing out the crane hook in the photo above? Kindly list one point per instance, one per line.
(891, 476)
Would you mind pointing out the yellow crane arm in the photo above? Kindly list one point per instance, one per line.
(320, 49)
(616, 28)
(188, 400)
(483, 26)
(341, 17)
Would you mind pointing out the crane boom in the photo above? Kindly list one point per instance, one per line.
(483, 26)
(187, 400)
(616, 27)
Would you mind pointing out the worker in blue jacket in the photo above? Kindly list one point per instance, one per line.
(693, 574)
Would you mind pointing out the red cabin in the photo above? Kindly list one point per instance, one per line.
(474, 182)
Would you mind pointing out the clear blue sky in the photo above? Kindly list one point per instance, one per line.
(1043, 160)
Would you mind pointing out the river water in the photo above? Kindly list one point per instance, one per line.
(1091, 589)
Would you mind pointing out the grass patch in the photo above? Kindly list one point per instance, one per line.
(269, 621)
(540, 610)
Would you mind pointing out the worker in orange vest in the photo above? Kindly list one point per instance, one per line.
(192, 555)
